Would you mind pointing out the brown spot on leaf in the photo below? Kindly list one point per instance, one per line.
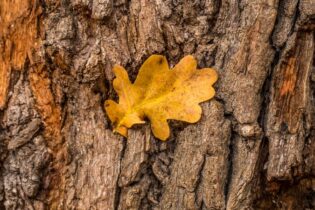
(160, 61)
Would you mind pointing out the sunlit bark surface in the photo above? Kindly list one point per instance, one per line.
(254, 147)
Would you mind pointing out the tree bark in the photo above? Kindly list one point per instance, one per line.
(254, 147)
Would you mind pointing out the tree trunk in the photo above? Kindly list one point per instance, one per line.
(254, 147)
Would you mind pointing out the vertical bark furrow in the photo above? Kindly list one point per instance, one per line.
(90, 158)
(288, 12)
(195, 179)
(247, 61)
(94, 163)
(244, 61)
(135, 157)
(286, 126)
(28, 153)
(246, 161)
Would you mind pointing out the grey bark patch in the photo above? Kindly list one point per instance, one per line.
(101, 8)
(25, 135)
(192, 179)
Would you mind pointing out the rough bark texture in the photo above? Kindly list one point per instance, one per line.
(254, 147)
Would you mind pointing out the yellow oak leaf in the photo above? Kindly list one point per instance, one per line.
(159, 94)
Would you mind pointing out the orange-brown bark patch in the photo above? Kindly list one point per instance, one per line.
(292, 83)
(18, 35)
(289, 80)
(50, 112)
(51, 115)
